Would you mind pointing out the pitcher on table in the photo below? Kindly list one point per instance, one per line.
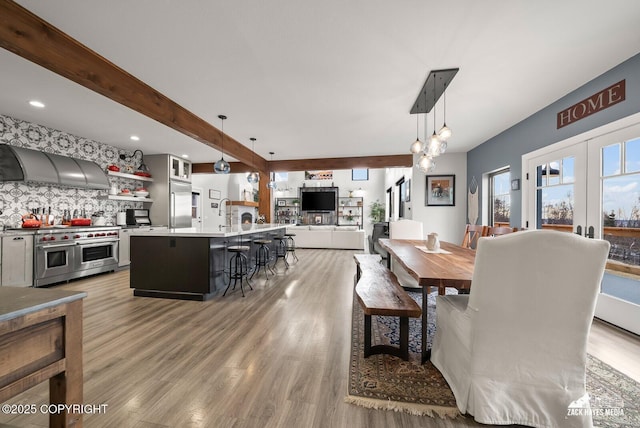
(433, 244)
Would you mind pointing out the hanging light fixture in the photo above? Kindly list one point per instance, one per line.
(222, 166)
(426, 163)
(417, 146)
(272, 179)
(444, 133)
(253, 176)
(436, 144)
(434, 141)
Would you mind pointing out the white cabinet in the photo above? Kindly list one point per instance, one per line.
(17, 260)
(179, 168)
(124, 253)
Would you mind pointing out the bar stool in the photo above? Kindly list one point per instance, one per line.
(238, 267)
(291, 245)
(281, 251)
(262, 257)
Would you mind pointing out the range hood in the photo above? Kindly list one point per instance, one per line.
(20, 164)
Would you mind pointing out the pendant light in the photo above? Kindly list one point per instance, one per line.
(426, 163)
(222, 166)
(253, 176)
(445, 133)
(272, 179)
(434, 141)
(417, 146)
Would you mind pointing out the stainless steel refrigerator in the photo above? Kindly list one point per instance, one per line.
(179, 204)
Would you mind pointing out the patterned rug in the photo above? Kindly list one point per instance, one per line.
(387, 382)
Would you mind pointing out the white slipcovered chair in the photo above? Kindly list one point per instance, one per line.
(514, 350)
(405, 229)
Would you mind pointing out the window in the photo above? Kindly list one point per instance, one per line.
(500, 197)
(402, 186)
(361, 174)
(281, 176)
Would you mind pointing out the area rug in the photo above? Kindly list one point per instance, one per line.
(387, 382)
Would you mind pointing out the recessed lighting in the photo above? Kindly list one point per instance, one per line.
(36, 103)
(135, 138)
(185, 156)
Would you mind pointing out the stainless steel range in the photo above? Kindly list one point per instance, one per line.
(66, 253)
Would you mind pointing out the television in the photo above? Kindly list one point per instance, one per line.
(318, 201)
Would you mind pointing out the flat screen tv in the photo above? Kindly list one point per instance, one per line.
(318, 201)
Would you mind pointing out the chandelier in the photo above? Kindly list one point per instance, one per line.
(435, 145)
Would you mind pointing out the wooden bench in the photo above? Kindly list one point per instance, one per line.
(379, 293)
(362, 260)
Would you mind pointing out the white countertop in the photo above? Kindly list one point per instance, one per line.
(210, 232)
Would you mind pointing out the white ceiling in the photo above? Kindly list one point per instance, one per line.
(322, 79)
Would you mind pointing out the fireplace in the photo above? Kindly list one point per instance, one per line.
(246, 218)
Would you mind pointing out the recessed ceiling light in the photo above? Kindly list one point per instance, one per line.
(135, 138)
(35, 103)
(185, 156)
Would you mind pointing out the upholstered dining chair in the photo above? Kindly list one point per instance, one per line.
(405, 229)
(471, 234)
(514, 350)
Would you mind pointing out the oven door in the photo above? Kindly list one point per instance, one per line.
(98, 256)
(53, 263)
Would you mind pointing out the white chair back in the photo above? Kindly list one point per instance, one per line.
(406, 229)
(521, 358)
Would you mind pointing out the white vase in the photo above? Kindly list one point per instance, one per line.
(433, 244)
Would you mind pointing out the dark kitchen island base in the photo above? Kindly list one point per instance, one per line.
(185, 264)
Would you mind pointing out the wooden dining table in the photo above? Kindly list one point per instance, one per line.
(453, 267)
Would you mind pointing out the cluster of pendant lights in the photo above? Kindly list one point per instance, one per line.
(435, 145)
(223, 167)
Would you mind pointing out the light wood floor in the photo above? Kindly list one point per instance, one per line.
(277, 358)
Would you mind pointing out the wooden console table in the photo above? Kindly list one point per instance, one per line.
(40, 339)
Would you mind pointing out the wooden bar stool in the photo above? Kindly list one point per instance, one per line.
(262, 257)
(238, 267)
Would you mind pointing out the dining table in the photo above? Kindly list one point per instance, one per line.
(449, 266)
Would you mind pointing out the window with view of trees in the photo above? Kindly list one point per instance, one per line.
(500, 208)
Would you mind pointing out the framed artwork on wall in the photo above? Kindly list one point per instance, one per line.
(440, 190)
(214, 194)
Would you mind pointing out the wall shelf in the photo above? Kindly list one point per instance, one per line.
(129, 176)
(125, 198)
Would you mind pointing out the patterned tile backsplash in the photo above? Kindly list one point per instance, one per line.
(19, 198)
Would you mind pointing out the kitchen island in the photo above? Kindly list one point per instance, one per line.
(190, 263)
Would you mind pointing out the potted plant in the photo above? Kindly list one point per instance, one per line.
(377, 211)
(295, 202)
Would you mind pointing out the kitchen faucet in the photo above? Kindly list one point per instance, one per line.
(227, 213)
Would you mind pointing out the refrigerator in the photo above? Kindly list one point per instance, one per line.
(179, 204)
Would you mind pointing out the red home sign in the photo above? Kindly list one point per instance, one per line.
(600, 101)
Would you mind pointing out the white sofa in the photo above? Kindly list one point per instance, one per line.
(337, 237)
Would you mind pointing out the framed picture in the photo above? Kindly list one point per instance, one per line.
(214, 205)
(440, 190)
(407, 191)
(214, 194)
(318, 219)
(515, 184)
(292, 221)
(281, 202)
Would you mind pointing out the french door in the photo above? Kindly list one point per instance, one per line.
(592, 187)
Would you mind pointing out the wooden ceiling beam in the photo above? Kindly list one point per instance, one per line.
(391, 161)
(29, 36)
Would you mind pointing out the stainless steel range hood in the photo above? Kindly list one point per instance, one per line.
(19, 164)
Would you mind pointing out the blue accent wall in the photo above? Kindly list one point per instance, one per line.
(539, 130)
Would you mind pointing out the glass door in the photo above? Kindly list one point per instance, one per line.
(614, 210)
(593, 188)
